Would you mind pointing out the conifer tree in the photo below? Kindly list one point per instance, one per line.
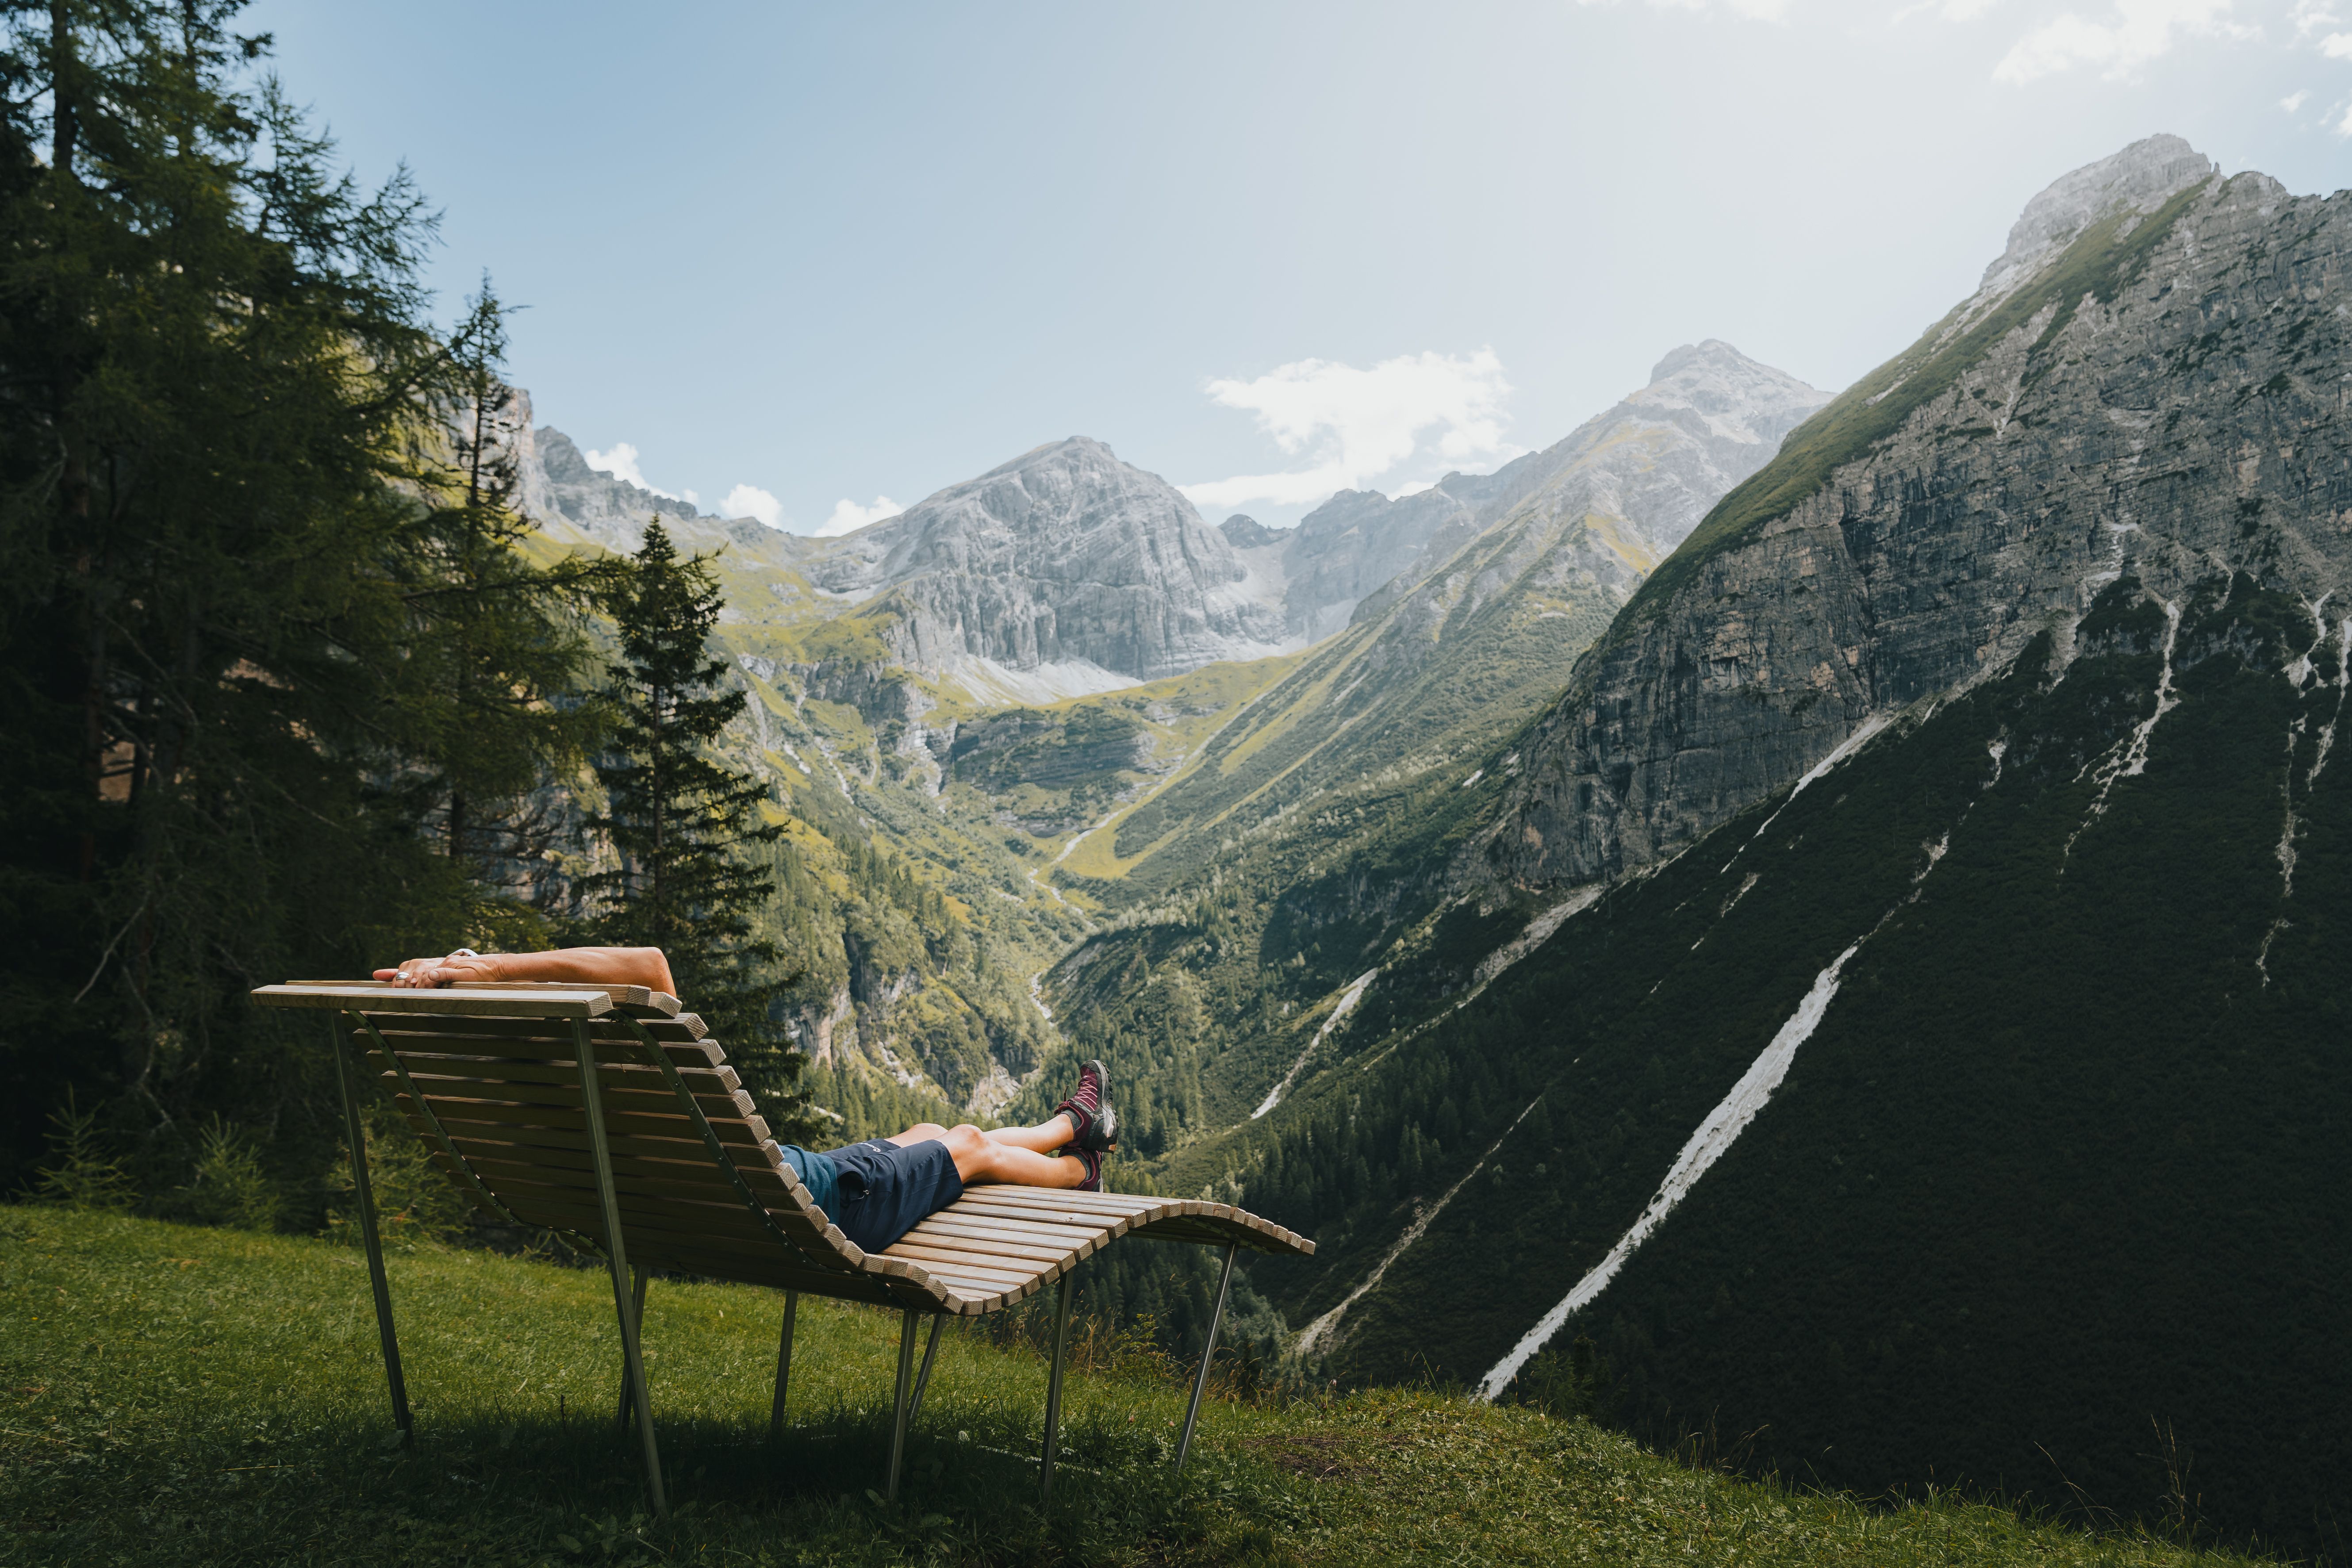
(681, 821)
(497, 705)
(223, 568)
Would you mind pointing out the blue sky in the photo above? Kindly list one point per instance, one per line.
(814, 257)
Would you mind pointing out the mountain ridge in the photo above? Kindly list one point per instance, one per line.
(1889, 1003)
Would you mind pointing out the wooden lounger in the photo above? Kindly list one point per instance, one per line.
(607, 1115)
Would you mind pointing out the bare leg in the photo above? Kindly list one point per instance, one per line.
(1043, 1139)
(979, 1158)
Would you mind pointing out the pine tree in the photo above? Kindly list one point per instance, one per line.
(681, 821)
(224, 456)
(498, 708)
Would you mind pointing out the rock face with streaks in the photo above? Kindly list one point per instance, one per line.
(2148, 382)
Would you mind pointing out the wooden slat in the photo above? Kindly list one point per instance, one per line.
(770, 1264)
(1015, 1253)
(507, 1180)
(928, 1256)
(747, 1132)
(702, 1186)
(551, 1004)
(1014, 1218)
(770, 1188)
(648, 1096)
(773, 1187)
(660, 1004)
(1060, 1197)
(551, 1084)
(492, 1164)
(655, 1219)
(1227, 1221)
(644, 1079)
(684, 1029)
(1027, 1251)
(1192, 1232)
(1034, 1231)
(982, 1288)
(1080, 1245)
(996, 1278)
(681, 1145)
(700, 1055)
(1019, 1214)
(802, 1220)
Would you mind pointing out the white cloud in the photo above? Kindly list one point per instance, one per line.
(751, 500)
(848, 516)
(2133, 33)
(2344, 125)
(1356, 425)
(2293, 101)
(2336, 46)
(2310, 17)
(621, 462)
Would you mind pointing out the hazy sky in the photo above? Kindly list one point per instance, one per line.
(814, 257)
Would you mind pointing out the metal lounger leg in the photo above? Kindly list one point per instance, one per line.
(1200, 1382)
(638, 1305)
(784, 1363)
(923, 1378)
(615, 1253)
(363, 1199)
(1053, 1391)
(898, 1415)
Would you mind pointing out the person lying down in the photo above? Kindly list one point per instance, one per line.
(877, 1190)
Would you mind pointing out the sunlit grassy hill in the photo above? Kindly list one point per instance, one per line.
(178, 1396)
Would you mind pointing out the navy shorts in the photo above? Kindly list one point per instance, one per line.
(887, 1190)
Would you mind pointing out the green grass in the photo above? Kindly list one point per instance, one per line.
(171, 1394)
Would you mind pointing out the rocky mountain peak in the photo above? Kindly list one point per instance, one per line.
(1977, 492)
(2144, 176)
(1737, 398)
(1063, 560)
(1246, 532)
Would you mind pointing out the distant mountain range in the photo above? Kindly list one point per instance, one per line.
(1062, 640)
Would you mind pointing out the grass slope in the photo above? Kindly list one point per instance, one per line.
(176, 1395)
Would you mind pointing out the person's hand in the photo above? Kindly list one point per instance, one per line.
(425, 973)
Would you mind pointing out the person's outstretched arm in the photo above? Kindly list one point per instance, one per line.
(581, 965)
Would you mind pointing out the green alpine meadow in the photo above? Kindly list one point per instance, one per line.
(1788, 947)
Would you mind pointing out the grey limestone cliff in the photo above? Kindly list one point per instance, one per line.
(1065, 561)
(2148, 385)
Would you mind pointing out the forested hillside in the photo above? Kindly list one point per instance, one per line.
(1887, 1005)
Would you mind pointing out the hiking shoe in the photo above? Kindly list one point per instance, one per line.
(1092, 1121)
(1093, 1162)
